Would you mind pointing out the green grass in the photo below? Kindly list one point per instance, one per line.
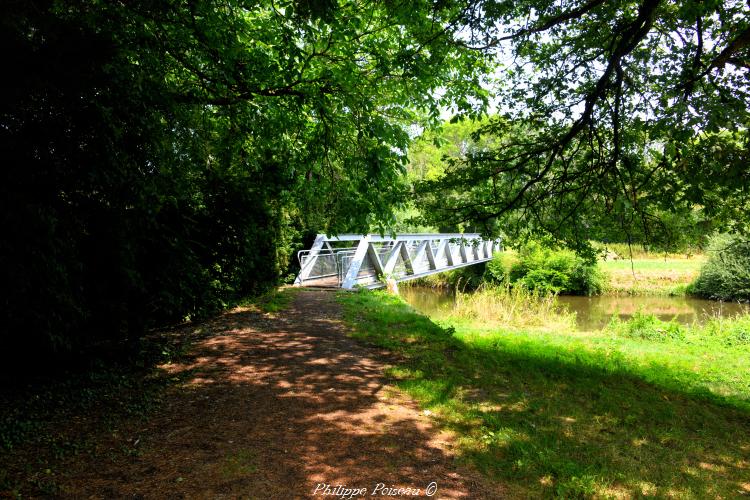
(272, 301)
(651, 276)
(624, 251)
(574, 415)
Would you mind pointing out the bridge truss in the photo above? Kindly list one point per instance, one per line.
(350, 260)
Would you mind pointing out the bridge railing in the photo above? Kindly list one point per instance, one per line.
(335, 262)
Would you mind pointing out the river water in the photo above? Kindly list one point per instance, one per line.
(593, 313)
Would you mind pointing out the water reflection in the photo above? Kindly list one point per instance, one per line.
(593, 313)
(433, 302)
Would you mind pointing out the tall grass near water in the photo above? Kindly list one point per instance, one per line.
(619, 414)
(512, 306)
(716, 333)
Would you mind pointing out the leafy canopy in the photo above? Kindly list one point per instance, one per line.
(162, 159)
(612, 114)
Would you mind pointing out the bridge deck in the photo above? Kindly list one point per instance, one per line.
(348, 260)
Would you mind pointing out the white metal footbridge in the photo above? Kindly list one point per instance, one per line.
(351, 260)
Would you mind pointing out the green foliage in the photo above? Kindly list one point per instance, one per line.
(726, 274)
(718, 332)
(496, 270)
(547, 271)
(732, 332)
(163, 161)
(430, 153)
(616, 154)
(647, 327)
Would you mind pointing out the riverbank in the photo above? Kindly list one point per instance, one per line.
(651, 275)
(591, 313)
(569, 414)
(646, 274)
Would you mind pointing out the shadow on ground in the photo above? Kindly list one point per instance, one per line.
(271, 408)
(548, 422)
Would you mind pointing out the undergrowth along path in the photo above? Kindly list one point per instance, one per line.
(275, 405)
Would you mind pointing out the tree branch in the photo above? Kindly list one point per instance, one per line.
(725, 56)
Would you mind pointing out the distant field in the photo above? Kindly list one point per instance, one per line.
(652, 275)
(638, 252)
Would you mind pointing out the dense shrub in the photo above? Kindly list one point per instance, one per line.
(496, 270)
(120, 211)
(726, 274)
(546, 270)
(160, 160)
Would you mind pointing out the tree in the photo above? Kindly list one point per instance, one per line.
(162, 159)
(613, 112)
(431, 156)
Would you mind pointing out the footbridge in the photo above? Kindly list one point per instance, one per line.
(351, 260)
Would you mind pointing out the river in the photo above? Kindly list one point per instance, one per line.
(593, 313)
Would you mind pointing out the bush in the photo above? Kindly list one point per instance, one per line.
(726, 274)
(546, 270)
(121, 210)
(496, 270)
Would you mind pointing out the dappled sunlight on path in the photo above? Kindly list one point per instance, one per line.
(273, 406)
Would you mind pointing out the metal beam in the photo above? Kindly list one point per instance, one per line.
(390, 261)
(375, 259)
(313, 256)
(430, 256)
(406, 258)
(350, 279)
(421, 250)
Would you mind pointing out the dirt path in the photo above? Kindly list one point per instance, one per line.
(276, 407)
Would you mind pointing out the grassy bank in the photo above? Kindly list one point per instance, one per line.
(646, 274)
(651, 275)
(573, 415)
